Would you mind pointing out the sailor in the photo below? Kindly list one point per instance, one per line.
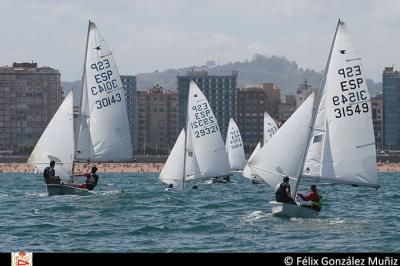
(282, 192)
(49, 174)
(226, 178)
(314, 197)
(169, 187)
(91, 180)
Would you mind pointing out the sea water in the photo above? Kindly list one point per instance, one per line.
(131, 212)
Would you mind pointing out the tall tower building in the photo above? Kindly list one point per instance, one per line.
(129, 83)
(252, 102)
(29, 97)
(157, 120)
(391, 113)
(220, 92)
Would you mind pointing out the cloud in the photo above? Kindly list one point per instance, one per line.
(155, 34)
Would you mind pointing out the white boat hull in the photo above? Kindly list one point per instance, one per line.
(292, 210)
(58, 189)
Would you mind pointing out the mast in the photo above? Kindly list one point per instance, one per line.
(316, 107)
(82, 92)
(186, 136)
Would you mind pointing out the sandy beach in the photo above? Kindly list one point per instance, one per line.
(83, 168)
(136, 167)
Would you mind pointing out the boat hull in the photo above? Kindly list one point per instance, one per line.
(63, 189)
(218, 181)
(281, 209)
(257, 180)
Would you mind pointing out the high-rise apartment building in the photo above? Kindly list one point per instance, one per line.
(303, 91)
(391, 100)
(220, 92)
(252, 101)
(157, 120)
(377, 118)
(29, 97)
(129, 83)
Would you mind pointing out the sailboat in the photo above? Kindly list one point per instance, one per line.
(330, 137)
(102, 133)
(270, 128)
(200, 153)
(234, 147)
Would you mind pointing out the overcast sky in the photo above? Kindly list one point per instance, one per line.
(149, 35)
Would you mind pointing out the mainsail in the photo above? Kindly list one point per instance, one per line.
(57, 141)
(270, 127)
(103, 127)
(234, 147)
(342, 147)
(205, 135)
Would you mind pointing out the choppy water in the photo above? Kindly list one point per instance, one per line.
(133, 213)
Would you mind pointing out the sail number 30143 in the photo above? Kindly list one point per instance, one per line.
(107, 101)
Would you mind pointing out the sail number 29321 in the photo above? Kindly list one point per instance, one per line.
(204, 121)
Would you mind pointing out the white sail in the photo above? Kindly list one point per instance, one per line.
(103, 130)
(342, 147)
(270, 127)
(234, 147)
(57, 141)
(205, 135)
(172, 172)
(247, 170)
(283, 154)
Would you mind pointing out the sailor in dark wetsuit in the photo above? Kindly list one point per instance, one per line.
(282, 192)
(49, 174)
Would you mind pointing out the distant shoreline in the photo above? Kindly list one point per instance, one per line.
(136, 167)
(83, 168)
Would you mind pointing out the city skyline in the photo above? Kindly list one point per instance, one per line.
(149, 35)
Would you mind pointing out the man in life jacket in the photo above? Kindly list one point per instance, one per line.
(314, 197)
(282, 192)
(49, 174)
(91, 180)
